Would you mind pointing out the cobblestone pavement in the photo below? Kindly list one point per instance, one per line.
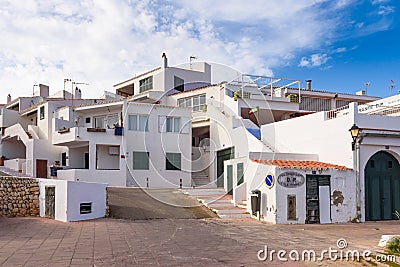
(184, 242)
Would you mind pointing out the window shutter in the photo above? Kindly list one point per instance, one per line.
(161, 123)
(185, 125)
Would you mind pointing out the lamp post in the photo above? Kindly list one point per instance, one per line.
(355, 132)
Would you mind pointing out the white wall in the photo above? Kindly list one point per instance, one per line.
(158, 144)
(105, 160)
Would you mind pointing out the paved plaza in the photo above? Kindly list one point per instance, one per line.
(171, 242)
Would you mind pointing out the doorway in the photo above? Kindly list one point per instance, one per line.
(318, 205)
(41, 168)
(223, 155)
(382, 187)
(50, 202)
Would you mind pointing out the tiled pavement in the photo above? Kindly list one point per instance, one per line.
(187, 242)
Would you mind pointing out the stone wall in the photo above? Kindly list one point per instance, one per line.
(19, 197)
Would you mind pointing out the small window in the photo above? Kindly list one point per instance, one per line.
(87, 120)
(146, 84)
(140, 160)
(173, 161)
(99, 122)
(372, 164)
(86, 208)
(390, 164)
(64, 159)
(179, 84)
(138, 123)
(173, 124)
(42, 112)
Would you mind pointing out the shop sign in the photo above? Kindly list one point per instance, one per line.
(291, 179)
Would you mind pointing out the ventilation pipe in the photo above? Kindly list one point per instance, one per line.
(308, 85)
(8, 98)
(164, 61)
(78, 93)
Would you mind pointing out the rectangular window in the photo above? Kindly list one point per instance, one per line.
(42, 112)
(99, 122)
(173, 124)
(390, 164)
(239, 173)
(173, 161)
(112, 121)
(146, 84)
(87, 120)
(138, 123)
(64, 159)
(179, 84)
(140, 160)
(181, 102)
(195, 102)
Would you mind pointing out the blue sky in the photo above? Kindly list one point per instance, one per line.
(340, 45)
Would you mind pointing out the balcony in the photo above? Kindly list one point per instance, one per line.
(76, 135)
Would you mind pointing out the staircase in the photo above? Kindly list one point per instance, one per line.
(200, 179)
(219, 202)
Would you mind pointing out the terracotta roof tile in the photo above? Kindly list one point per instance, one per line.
(301, 164)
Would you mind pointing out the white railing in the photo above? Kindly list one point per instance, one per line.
(339, 112)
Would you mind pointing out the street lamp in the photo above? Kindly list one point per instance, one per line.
(354, 131)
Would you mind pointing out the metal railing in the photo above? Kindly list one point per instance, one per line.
(339, 112)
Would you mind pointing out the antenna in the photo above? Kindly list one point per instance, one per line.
(191, 59)
(367, 84)
(391, 86)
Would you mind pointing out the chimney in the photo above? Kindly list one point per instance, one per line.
(43, 91)
(8, 98)
(308, 85)
(78, 93)
(164, 61)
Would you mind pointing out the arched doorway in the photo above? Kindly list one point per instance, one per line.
(382, 187)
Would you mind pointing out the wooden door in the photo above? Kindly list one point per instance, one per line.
(41, 168)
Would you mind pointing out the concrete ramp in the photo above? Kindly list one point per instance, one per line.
(144, 204)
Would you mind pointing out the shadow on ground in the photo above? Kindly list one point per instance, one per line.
(144, 204)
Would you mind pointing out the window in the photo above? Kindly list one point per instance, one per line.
(99, 122)
(196, 102)
(112, 121)
(173, 161)
(390, 164)
(146, 84)
(239, 173)
(64, 159)
(179, 84)
(138, 123)
(173, 124)
(41, 116)
(87, 120)
(140, 160)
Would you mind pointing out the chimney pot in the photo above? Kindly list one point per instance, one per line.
(8, 98)
(308, 84)
(164, 61)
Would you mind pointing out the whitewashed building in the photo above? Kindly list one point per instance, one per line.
(198, 125)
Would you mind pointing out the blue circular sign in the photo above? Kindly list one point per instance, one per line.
(270, 180)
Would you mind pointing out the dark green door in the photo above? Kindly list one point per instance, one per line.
(382, 180)
(223, 155)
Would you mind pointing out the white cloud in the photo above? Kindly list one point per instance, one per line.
(378, 2)
(104, 42)
(315, 60)
(385, 10)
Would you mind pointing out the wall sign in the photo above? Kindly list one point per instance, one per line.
(291, 179)
(270, 180)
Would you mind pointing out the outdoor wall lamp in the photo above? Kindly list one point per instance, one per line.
(354, 131)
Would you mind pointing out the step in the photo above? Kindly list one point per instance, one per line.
(235, 216)
(242, 206)
(229, 211)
